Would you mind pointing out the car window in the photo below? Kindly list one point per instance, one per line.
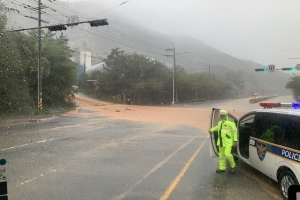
(291, 136)
(268, 127)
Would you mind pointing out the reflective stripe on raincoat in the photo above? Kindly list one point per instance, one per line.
(227, 132)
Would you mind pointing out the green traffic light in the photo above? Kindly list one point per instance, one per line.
(293, 69)
(265, 69)
(2, 161)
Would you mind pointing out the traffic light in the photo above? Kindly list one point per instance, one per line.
(2, 161)
(261, 70)
(57, 28)
(289, 69)
(99, 22)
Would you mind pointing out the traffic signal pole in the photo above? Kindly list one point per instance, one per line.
(282, 69)
(40, 97)
(60, 27)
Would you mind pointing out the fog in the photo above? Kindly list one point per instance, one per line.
(265, 32)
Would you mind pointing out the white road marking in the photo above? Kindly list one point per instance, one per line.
(43, 141)
(35, 178)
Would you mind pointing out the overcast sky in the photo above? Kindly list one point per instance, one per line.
(264, 31)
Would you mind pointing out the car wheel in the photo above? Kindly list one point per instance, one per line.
(286, 179)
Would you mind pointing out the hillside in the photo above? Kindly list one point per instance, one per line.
(132, 37)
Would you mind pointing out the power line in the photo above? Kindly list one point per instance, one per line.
(91, 33)
(133, 38)
(115, 31)
(70, 9)
(111, 8)
(109, 35)
(121, 42)
(76, 12)
(145, 50)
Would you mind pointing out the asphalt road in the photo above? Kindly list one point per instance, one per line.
(94, 157)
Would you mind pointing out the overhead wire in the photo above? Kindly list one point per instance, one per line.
(114, 39)
(145, 50)
(112, 30)
(122, 43)
(111, 8)
(118, 31)
(139, 41)
(70, 9)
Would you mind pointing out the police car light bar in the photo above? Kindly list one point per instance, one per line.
(295, 105)
(270, 105)
(278, 105)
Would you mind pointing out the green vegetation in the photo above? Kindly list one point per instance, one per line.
(294, 85)
(18, 70)
(151, 82)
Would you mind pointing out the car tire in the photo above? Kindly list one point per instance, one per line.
(286, 179)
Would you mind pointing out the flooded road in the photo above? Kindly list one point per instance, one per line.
(87, 154)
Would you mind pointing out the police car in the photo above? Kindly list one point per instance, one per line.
(268, 140)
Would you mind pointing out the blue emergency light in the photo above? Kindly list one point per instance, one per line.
(296, 105)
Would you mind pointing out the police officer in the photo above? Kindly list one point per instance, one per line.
(227, 137)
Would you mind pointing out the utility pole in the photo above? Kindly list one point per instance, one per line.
(93, 23)
(174, 75)
(40, 73)
(174, 56)
(84, 66)
(173, 50)
(209, 70)
(209, 79)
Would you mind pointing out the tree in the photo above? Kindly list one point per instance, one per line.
(151, 82)
(134, 75)
(14, 90)
(18, 69)
(294, 85)
(59, 72)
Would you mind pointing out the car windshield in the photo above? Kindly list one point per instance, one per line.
(113, 99)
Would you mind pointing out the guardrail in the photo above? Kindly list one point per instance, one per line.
(258, 99)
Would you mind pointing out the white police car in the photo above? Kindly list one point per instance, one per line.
(268, 140)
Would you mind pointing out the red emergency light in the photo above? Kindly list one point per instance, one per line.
(270, 105)
(280, 105)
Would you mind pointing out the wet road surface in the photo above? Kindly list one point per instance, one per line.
(95, 157)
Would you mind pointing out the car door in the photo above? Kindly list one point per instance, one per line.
(245, 130)
(267, 133)
(214, 119)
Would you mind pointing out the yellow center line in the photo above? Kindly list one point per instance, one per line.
(181, 174)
